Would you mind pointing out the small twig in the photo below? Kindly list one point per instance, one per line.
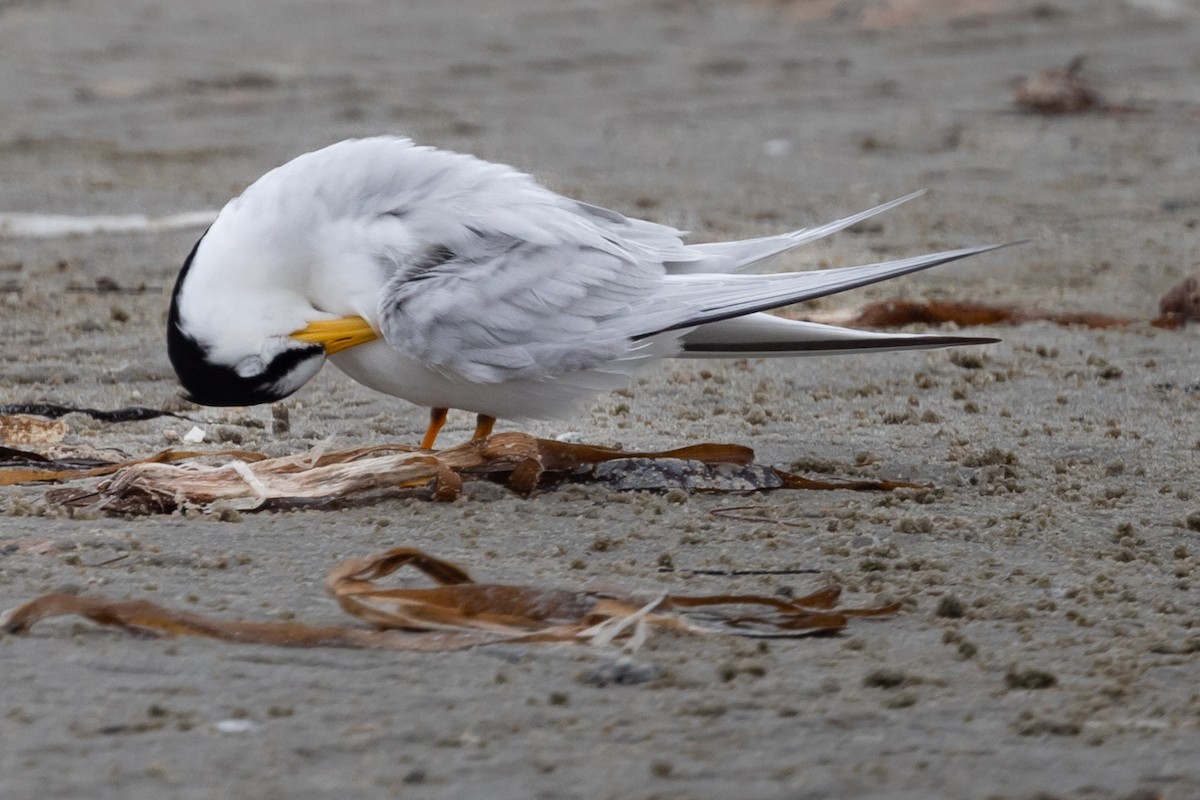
(725, 573)
(112, 560)
(726, 513)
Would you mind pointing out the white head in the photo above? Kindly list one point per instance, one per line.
(229, 335)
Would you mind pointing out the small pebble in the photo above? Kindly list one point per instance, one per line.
(237, 726)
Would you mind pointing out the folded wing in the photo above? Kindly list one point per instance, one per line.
(582, 299)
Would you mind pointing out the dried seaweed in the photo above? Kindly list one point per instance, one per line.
(248, 481)
(459, 613)
(51, 470)
(967, 314)
(11, 456)
(31, 465)
(54, 411)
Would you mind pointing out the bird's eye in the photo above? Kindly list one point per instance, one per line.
(250, 366)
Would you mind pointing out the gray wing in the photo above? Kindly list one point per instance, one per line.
(511, 309)
(501, 308)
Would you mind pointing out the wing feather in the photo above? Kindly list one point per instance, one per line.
(522, 310)
(714, 298)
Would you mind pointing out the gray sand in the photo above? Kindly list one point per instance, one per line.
(1057, 539)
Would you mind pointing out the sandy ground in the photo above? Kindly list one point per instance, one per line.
(1057, 540)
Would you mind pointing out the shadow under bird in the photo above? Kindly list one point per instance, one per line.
(452, 282)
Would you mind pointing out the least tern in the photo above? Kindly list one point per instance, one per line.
(452, 282)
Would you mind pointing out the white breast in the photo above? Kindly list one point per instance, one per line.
(379, 366)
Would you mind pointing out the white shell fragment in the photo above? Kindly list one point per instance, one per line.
(195, 435)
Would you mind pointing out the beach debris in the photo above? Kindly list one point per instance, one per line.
(195, 435)
(29, 430)
(55, 411)
(458, 613)
(967, 314)
(656, 475)
(25, 466)
(172, 481)
(1058, 90)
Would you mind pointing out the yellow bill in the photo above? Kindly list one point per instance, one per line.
(337, 334)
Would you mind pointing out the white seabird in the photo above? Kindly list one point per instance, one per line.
(452, 282)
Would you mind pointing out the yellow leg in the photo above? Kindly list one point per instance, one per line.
(437, 418)
(483, 427)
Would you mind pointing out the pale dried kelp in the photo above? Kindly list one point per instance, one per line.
(247, 481)
(459, 613)
(23, 466)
